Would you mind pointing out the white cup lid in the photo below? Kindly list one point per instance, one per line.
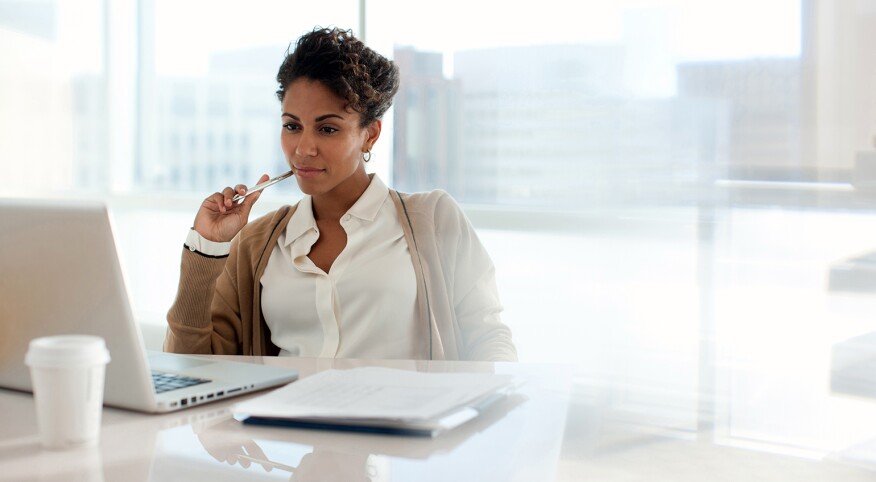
(66, 350)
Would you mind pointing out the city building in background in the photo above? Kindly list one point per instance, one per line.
(204, 133)
(427, 125)
(553, 126)
(559, 126)
(761, 105)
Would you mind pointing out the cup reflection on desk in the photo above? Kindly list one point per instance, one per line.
(81, 465)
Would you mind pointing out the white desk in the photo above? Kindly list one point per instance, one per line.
(558, 432)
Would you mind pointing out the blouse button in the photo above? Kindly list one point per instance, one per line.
(346, 217)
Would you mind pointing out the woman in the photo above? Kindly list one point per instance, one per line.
(355, 269)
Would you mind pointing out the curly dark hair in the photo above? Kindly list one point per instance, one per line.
(365, 79)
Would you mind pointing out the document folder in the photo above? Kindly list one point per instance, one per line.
(378, 400)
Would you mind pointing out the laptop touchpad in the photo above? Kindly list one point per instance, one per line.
(174, 363)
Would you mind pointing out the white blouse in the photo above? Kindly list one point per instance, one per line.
(364, 307)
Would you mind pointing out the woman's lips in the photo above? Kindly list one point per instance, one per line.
(308, 172)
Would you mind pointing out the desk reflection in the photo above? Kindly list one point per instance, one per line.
(311, 455)
(518, 439)
(321, 464)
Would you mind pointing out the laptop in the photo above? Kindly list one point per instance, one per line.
(60, 274)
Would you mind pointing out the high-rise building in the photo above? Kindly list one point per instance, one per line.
(761, 101)
(554, 125)
(427, 125)
(216, 130)
(838, 72)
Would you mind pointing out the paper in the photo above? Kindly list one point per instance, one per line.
(373, 393)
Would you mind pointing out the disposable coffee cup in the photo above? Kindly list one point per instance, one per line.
(67, 374)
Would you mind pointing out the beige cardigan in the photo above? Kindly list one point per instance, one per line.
(218, 306)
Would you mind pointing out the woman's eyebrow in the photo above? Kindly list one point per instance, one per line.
(328, 116)
(318, 119)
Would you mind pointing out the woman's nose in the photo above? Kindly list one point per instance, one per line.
(306, 145)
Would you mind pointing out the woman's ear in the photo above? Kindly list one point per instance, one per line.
(373, 132)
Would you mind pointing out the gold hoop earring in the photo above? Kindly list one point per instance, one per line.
(366, 156)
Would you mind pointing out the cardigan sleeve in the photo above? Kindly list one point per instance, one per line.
(472, 286)
(217, 308)
(204, 318)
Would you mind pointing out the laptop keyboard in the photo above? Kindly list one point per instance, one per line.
(165, 382)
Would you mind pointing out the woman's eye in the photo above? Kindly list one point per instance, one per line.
(328, 130)
(290, 127)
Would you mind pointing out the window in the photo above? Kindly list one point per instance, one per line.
(52, 104)
(647, 174)
(626, 104)
(208, 74)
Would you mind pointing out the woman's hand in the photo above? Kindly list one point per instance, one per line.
(219, 218)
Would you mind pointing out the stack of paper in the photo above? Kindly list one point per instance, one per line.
(380, 400)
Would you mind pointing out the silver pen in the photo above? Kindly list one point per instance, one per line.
(258, 187)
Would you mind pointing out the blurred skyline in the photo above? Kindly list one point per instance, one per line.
(645, 101)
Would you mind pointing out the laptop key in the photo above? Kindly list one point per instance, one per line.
(165, 382)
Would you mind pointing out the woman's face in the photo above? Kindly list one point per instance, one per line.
(323, 141)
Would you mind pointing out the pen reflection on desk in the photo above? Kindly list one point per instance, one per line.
(321, 464)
